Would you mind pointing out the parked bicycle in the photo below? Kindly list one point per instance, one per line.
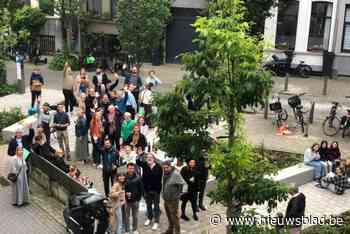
(334, 123)
(295, 103)
(280, 114)
(331, 125)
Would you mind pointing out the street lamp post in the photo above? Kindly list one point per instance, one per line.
(20, 73)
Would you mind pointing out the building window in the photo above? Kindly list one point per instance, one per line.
(94, 7)
(287, 24)
(320, 26)
(346, 32)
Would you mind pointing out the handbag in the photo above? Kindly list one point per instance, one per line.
(13, 176)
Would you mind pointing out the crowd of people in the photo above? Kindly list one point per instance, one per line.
(116, 122)
(330, 170)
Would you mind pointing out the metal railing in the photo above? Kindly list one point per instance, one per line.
(57, 175)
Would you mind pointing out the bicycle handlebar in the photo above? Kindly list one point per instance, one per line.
(301, 94)
(347, 96)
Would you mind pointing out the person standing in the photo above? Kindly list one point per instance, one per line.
(60, 124)
(131, 101)
(134, 80)
(152, 184)
(136, 138)
(203, 173)
(110, 159)
(36, 84)
(295, 210)
(112, 125)
(190, 174)
(117, 196)
(96, 133)
(68, 83)
(81, 142)
(127, 127)
(172, 188)
(101, 81)
(134, 192)
(20, 187)
(82, 83)
(146, 98)
(90, 104)
(24, 141)
(45, 120)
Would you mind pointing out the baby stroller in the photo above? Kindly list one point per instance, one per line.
(86, 214)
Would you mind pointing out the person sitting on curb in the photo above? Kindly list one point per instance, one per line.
(312, 158)
(336, 183)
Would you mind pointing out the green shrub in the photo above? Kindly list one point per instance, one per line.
(59, 59)
(6, 89)
(9, 117)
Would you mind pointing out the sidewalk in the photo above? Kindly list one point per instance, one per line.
(31, 219)
(23, 101)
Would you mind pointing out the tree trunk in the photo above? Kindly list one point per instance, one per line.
(231, 129)
(229, 212)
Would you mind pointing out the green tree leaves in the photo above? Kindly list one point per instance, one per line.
(28, 22)
(141, 25)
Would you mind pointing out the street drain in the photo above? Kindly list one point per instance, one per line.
(3, 181)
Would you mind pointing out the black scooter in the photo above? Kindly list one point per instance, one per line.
(282, 66)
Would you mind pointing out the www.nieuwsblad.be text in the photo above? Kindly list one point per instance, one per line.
(217, 219)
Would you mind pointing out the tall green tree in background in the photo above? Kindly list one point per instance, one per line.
(141, 25)
(27, 23)
(68, 10)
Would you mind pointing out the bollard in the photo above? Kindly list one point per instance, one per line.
(286, 80)
(312, 111)
(306, 130)
(266, 110)
(325, 85)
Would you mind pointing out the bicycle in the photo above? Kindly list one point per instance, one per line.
(279, 114)
(295, 103)
(331, 125)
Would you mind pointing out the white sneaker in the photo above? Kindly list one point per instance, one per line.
(155, 226)
(135, 232)
(100, 166)
(148, 222)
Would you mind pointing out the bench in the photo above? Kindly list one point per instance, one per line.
(299, 174)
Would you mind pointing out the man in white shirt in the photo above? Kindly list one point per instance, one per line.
(146, 98)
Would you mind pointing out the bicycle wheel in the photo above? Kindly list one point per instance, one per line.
(283, 115)
(331, 126)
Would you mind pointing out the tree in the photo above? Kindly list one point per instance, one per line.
(240, 173)
(47, 6)
(27, 23)
(68, 10)
(257, 12)
(227, 64)
(141, 25)
(182, 132)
